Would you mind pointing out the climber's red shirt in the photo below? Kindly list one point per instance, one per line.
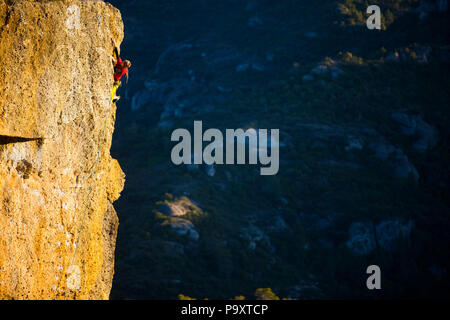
(119, 71)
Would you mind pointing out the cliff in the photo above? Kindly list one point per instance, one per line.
(57, 179)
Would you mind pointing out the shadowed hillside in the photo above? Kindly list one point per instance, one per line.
(363, 179)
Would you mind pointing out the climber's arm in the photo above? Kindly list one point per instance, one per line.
(115, 56)
(116, 53)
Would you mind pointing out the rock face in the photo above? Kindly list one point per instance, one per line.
(427, 137)
(58, 181)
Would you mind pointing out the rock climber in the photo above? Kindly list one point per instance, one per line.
(120, 69)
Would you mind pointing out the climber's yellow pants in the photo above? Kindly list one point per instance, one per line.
(115, 87)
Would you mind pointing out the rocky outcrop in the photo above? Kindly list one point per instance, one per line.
(57, 178)
(363, 238)
(178, 207)
(365, 139)
(428, 6)
(426, 136)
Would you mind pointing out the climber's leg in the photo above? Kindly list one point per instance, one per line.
(116, 85)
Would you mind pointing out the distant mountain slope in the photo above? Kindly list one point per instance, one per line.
(363, 118)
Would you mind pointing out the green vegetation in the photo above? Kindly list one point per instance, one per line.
(355, 10)
(260, 294)
(265, 294)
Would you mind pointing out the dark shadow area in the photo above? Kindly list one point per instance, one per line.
(11, 139)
